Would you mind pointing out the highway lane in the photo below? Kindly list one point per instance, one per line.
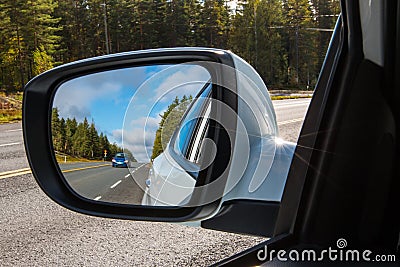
(34, 231)
(290, 115)
(91, 183)
(12, 152)
(129, 189)
(100, 181)
(288, 111)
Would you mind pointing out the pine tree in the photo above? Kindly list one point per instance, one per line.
(62, 135)
(57, 130)
(256, 36)
(70, 130)
(14, 51)
(94, 143)
(41, 31)
(120, 25)
(301, 42)
(326, 14)
(170, 119)
(214, 23)
(41, 61)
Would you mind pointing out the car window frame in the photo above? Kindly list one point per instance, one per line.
(284, 234)
(182, 159)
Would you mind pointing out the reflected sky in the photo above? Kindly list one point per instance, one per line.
(135, 96)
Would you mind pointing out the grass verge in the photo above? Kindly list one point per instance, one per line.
(283, 97)
(10, 107)
(61, 159)
(7, 115)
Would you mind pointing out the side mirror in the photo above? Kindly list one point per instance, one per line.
(191, 134)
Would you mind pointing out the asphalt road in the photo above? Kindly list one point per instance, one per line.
(12, 152)
(34, 231)
(99, 181)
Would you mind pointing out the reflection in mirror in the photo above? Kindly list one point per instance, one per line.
(119, 135)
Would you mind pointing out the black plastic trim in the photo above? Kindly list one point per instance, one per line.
(236, 216)
(287, 223)
(300, 164)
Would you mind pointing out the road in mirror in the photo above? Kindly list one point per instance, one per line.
(119, 135)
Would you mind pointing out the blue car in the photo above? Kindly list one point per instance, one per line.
(120, 160)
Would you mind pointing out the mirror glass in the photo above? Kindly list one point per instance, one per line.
(133, 135)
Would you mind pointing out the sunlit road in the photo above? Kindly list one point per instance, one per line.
(34, 231)
(100, 181)
(290, 115)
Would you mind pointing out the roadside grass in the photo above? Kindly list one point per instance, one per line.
(61, 159)
(10, 115)
(14, 97)
(12, 112)
(17, 97)
(283, 97)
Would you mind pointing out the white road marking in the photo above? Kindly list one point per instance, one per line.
(114, 185)
(138, 168)
(126, 176)
(290, 121)
(10, 131)
(10, 144)
(97, 198)
(290, 105)
(291, 101)
(85, 168)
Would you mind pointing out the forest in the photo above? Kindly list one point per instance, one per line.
(285, 40)
(81, 140)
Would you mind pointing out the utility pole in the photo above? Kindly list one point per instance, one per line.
(255, 33)
(297, 53)
(106, 27)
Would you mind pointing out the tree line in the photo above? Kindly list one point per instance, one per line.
(285, 40)
(81, 139)
(170, 119)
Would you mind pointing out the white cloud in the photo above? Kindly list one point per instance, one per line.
(139, 138)
(180, 80)
(149, 122)
(75, 97)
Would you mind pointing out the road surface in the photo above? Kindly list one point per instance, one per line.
(34, 231)
(99, 181)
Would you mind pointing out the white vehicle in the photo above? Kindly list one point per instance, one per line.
(176, 169)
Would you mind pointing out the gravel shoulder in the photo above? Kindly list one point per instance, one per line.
(37, 232)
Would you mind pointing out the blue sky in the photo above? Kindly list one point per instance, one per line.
(125, 104)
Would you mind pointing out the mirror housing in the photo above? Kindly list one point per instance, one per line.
(247, 181)
(39, 94)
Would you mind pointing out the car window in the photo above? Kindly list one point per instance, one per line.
(193, 127)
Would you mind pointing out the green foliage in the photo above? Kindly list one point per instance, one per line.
(7, 116)
(170, 119)
(81, 140)
(257, 37)
(29, 36)
(41, 61)
(285, 40)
